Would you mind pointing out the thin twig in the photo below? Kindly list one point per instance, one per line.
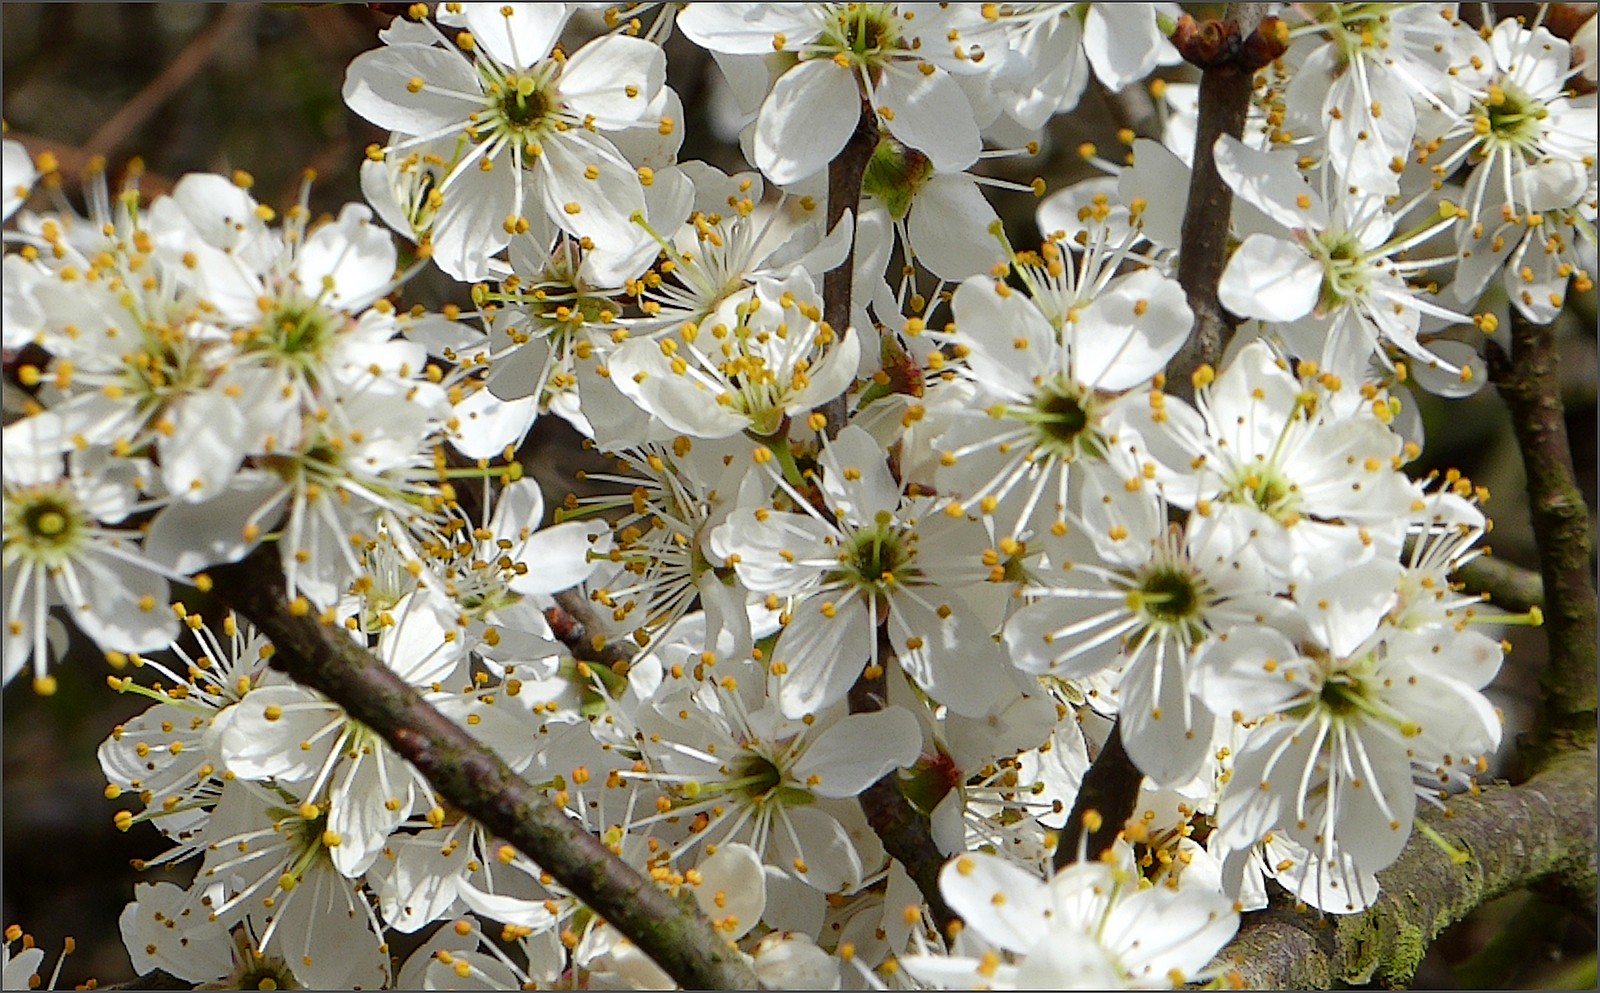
(136, 113)
(905, 832)
(1106, 799)
(474, 780)
(579, 626)
(845, 175)
(1110, 789)
(1510, 586)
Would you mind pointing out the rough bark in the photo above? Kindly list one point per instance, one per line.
(1515, 836)
(1106, 799)
(1529, 381)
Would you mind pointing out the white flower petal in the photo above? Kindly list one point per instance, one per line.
(351, 260)
(1130, 332)
(821, 844)
(858, 751)
(733, 886)
(856, 479)
(516, 35)
(376, 86)
(823, 655)
(1124, 43)
(372, 795)
(614, 79)
(943, 226)
(558, 557)
(806, 120)
(1272, 183)
(932, 115)
(187, 537)
(1002, 902)
(1270, 279)
(198, 952)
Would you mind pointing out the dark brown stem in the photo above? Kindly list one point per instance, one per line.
(1529, 381)
(845, 174)
(1515, 836)
(474, 780)
(578, 625)
(156, 979)
(905, 832)
(1106, 799)
(1224, 105)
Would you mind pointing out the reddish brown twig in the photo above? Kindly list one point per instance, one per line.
(138, 111)
(474, 780)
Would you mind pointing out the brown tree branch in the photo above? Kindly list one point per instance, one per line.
(578, 625)
(1529, 381)
(1106, 799)
(1509, 585)
(1224, 105)
(845, 175)
(474, 780)
(1229, 52)
(1514, 835)
(905, 832)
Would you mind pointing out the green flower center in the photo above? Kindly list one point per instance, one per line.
(1169, 596)
(298, 330)
(1061, 417)
(877, 558)
(1264, 488)
(1344, 270)
(523, 103)
(1172, 600)
(862, 31)
(757, 776)
(44, 526)
(1510, 118)
(1341, 697)
(894, 175)
(296, 333)
(1354, 27)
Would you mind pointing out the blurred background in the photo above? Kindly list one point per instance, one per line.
(197, 87)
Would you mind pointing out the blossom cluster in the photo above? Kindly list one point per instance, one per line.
(973, 487)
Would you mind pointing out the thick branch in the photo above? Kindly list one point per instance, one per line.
(1529, 382)
(1224, 105)
(845, 174)
(906, 833)
(1515, 836)
(475, 781)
